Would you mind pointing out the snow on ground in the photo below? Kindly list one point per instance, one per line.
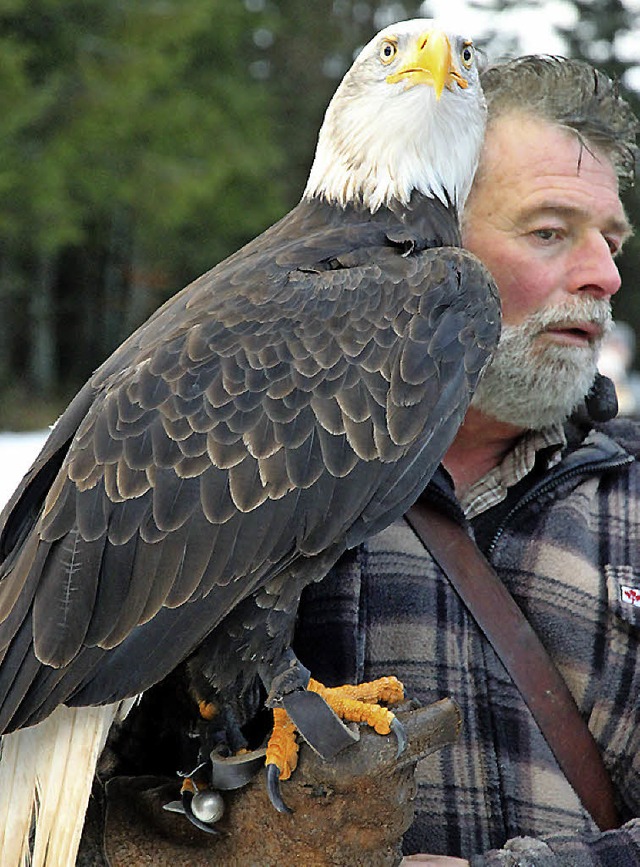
(17, 451)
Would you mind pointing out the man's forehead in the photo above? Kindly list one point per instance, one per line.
(529, 157)
(522, 137)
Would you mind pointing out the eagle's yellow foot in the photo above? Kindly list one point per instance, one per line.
(352, 703)
(207, 709)
(281, 758)
(282, 749)
(359, 703)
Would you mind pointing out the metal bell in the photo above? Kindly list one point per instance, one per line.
(207, 806)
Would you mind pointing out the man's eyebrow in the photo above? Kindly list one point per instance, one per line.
(617, 225)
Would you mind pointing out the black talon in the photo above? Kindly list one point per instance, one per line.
(187, 798)
(273, 789)
(401, 736)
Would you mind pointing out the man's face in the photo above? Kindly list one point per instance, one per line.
(545, 217)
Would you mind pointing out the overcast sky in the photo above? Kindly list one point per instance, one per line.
(17, 451)
(533, 26)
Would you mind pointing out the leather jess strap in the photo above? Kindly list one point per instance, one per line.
(523, 655)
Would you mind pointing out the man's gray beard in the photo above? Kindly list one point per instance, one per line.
(534, 383)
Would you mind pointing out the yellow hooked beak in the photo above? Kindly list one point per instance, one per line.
(430, 62)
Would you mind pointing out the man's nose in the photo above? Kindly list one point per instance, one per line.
(596, 270)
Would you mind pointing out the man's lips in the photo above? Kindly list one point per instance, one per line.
(574, 333)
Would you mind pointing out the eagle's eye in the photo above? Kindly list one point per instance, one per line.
(466, 55)
(388, 51)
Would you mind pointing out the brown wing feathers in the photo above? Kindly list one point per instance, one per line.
(296, 411)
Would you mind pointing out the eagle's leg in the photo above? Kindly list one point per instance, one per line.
(282, 756)
(287, 683)
(224, 762)
(317, 711)
(351, 703)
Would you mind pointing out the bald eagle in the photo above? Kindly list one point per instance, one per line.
(286, 405)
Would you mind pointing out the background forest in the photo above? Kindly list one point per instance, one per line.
(141, 142)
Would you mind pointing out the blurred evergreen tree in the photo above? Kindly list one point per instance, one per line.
(136, 150)
(139, 145)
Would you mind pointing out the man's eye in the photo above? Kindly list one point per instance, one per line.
(614, 246)
(547, 234)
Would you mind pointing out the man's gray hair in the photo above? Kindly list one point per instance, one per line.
(570, 93)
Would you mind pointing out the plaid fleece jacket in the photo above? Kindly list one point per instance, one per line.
(566, 542)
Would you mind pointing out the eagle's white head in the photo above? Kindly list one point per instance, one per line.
(409, 115)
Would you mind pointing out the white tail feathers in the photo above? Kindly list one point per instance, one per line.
(46, 774)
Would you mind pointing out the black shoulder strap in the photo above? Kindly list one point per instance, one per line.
(523, 655)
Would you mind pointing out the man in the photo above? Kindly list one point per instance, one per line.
(552, 499)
